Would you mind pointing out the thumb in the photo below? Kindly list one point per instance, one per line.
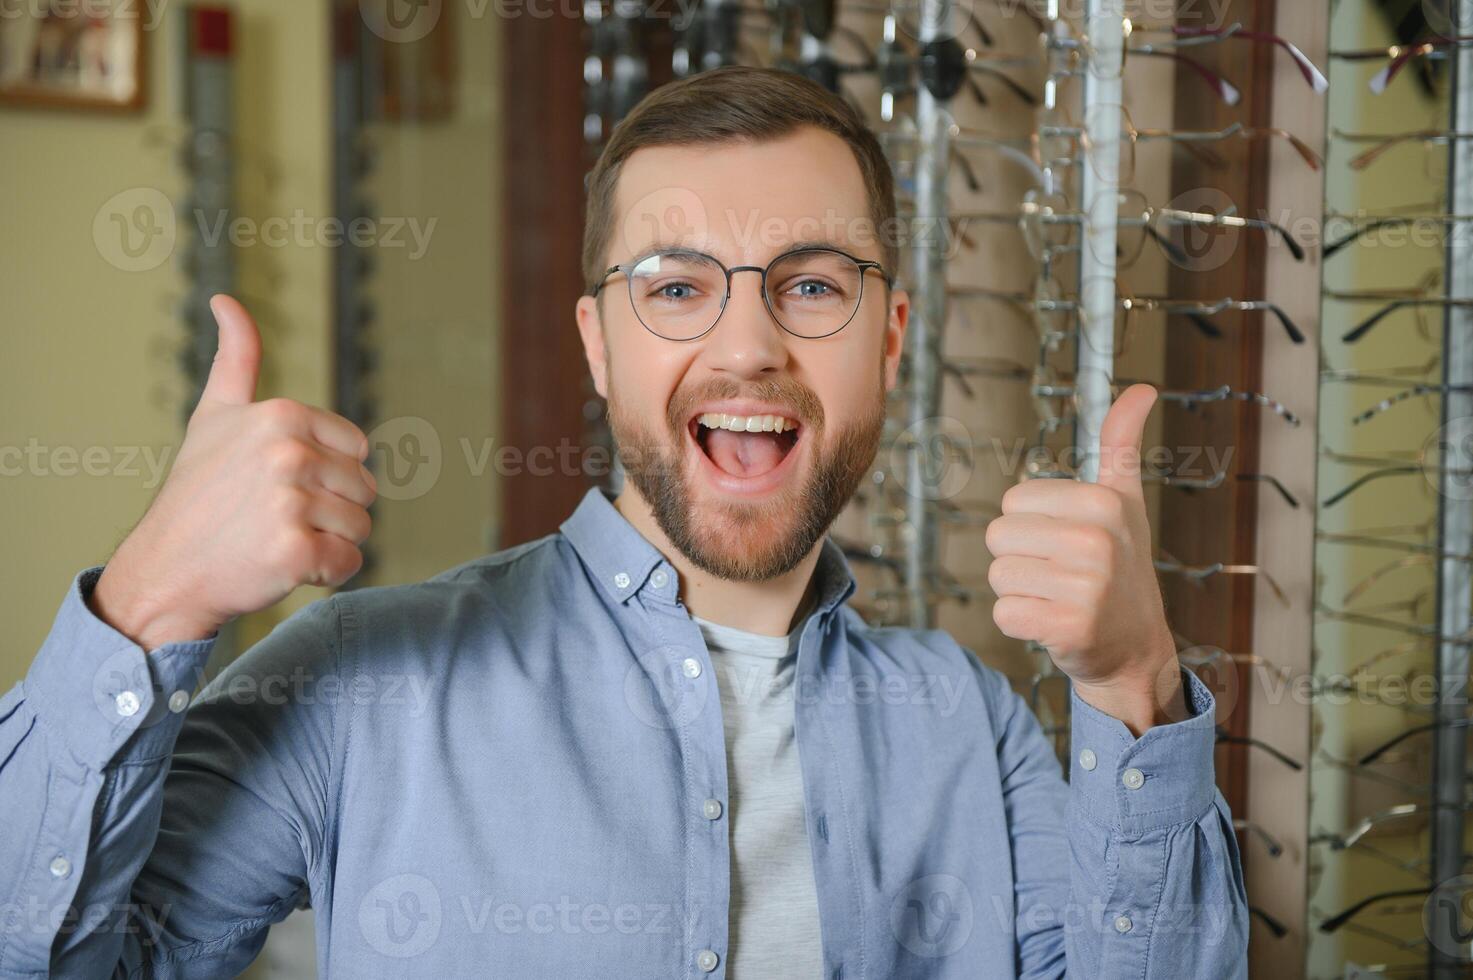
(1120, 439)
(237, 364)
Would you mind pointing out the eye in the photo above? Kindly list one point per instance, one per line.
(812, 288)
(676, 290)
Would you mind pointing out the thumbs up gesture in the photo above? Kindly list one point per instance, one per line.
(1072, 569)
(262, 497)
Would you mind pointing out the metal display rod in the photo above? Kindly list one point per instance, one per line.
(1100, 202)
(1449, 956)
(923, 335)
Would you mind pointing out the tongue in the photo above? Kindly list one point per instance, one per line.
(744, 453)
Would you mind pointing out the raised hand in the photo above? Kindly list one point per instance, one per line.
(1072, 569)
(262, 497)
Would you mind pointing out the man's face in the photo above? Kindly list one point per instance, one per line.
(745, 505)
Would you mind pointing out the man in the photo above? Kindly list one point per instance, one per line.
(656, 743)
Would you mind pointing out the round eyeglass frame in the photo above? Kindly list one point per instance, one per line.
(864, 266)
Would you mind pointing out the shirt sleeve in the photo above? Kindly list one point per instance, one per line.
(146, 835)
(1132, 870)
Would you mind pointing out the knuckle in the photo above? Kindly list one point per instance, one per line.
(362, 524)
(993, 536)
(341, 566)
(291, 504)
(1098, 542)
(288, 457)
(281, 412)
(997, 576)
(1110, 505)
(296, 554)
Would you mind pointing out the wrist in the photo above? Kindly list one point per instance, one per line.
(1141, 699)
(144, 614)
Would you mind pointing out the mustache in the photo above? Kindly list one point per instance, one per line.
(798, 398)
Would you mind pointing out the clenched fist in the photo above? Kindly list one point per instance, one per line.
(1072, 568)
(262, 497)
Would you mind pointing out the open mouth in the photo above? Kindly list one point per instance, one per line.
(745, 446)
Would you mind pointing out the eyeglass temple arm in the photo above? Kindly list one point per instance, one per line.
(1307, 68)
(1223, 735)
(1361, 481)
(1401, 396)
(1365, 326)
(1390, 744)
(1334, 922)
(1272, 481)
(1226, 90)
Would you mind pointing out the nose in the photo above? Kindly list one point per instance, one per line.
(747, 340)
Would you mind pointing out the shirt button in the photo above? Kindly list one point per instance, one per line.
(622, 580)
(706, 960)
(60, 867)
(659, 579)
(178, 701)
(1087, 760)
(691, 667)
(1133, 778)
(711, 809)
(1122, 923)
(127, 703)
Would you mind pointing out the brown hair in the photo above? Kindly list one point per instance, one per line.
(733, 103)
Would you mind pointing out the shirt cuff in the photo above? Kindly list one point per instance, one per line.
(95, 689)
(1135, 785)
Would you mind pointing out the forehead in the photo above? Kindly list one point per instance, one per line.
(743, 201)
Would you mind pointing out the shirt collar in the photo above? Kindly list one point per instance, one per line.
(621, 559)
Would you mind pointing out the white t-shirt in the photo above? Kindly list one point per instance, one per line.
(774, 903)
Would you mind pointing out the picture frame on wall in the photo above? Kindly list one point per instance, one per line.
(68, 54)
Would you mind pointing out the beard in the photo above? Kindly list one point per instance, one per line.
(741, 541)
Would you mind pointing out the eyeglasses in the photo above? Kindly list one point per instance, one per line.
(1381, 143)
(1398, 56)
(679, 294)
(1307, 68)
(1407, 301)
(1061, 144)
(1080, 55)
(1412, 222)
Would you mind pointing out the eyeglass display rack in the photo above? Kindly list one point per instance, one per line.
(1388, 818)
(904, 521)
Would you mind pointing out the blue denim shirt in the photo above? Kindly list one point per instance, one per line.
(509, 770)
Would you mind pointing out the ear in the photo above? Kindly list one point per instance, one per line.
(590, 328)
(895, 335)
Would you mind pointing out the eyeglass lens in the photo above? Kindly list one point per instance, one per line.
(680, 295)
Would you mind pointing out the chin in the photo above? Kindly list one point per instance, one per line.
(744, 540)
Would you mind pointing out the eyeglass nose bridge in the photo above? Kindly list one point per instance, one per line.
(761, 271)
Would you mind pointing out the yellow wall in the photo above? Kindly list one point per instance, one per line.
(88, 346)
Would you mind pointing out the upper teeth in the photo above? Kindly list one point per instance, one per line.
(746, 423)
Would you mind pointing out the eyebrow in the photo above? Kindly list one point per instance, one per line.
(707, 246)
